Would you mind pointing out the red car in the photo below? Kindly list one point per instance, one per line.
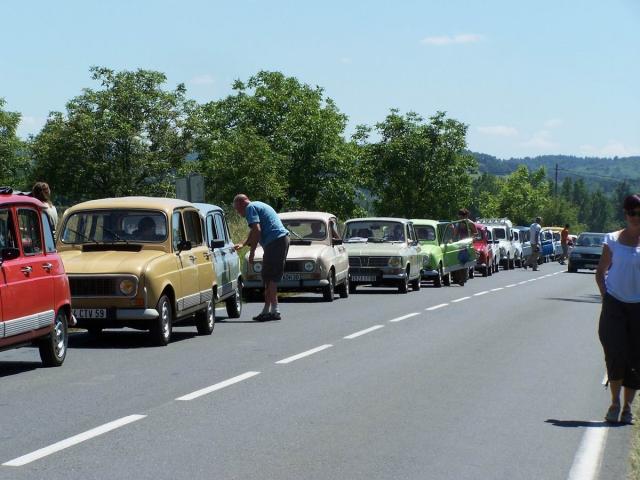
(485, 261)
(35, 303)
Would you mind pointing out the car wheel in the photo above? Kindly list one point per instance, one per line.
(352, 287)
(446, 279)
(328, 292)
(206, 319)
(472, 272)
(485, 271)
(403, 286)
(572, 269)
(163, 325)
(234, 304)
(437, 282)
(53, 348)
(415, 284)
(343, 289)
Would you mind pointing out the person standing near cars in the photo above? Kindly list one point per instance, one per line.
(618, 279)
(267, 229)
(42, 192)
(564, 242)
(534, 238)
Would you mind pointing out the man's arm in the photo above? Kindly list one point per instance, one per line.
(252, 240)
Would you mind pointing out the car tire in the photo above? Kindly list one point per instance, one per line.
(163, 325)
(415, 284)
(472, 272)
(343, 289)
(352, 287)
(485, 271)
(234, 303)
(403, 286)
(53, 348)
(328, 292)
(571, 269)
(446, 279)
(437, 282)
(206, 319)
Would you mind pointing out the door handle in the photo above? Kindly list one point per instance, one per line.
(26, 270)
(206, 256)
(47, 266)
(192, 258)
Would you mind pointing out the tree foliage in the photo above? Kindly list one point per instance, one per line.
(13, 162)
(127, 137)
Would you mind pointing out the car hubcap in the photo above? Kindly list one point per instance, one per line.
(165, 320)
(210, 314)
(59, 338)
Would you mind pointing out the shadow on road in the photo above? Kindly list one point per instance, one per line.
(121, 339)
(14, 368)
(582, 423)
(593, 298)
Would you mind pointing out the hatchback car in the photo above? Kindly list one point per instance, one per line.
(587, 251)
(35, 303)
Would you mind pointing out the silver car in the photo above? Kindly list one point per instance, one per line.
(587, 251)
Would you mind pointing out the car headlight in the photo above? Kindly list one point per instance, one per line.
(395, 262)
(127, 287)
(309, 266)
(257, 267)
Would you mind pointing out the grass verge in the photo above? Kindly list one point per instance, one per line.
(634, 455)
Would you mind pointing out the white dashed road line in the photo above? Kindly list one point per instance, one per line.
(71, 441)
(217, 386)
(510, 285)
(293, 358)
(497, 289)
(586, 463)
(484, 292)
(436, 307)
(523, 282)
(363, 332)
(404, 317)
(460, 299)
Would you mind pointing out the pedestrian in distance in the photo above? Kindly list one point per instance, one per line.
(265, 228)
(564, 242)
(42, 192)
(618, 279)
(534, 238)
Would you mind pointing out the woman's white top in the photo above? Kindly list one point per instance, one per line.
(623, 278)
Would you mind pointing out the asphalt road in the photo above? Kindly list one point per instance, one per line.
(430, 385)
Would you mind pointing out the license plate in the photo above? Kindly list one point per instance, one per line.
(292, 276)
(90, 312)
(363, 278)
(590, 266)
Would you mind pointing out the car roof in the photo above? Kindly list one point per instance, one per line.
(593, 233)
(379, 219)
(156, 203)
(304, 215)
(207, 207)
(13, 198)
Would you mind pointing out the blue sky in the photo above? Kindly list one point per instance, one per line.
(528, 78)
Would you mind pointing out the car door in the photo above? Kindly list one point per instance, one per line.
(218, 253)
(414, 249)
(229, 254)
(199, 254)
(341, 259)
(187, 292)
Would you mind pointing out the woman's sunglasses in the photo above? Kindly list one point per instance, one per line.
(633, 213)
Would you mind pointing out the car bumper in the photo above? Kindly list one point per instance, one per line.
(428, 273)
(290, 284)
(583, 263)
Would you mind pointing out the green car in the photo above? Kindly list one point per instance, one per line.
(447, 254)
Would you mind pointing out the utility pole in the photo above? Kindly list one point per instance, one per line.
(555, 190)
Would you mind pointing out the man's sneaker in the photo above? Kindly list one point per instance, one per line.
(275, 316)
(525, 266)
(262, 317)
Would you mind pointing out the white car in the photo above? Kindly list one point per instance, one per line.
(502, 234)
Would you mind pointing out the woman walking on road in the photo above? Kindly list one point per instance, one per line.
(618, 278)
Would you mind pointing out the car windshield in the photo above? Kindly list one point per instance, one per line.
(117, 225)
(499, 233)
(590, 240)
(426, 233)
(374, 231)
(306, 229)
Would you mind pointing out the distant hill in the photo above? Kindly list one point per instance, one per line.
(604, 173)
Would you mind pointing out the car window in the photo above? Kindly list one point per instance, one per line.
(49, 242)
(306, 229)
(410, 233)
(7, 230)
(177, 230)
(192, 227)
(220, 230)
(30, 233)
(334, 229)
(114, 225)
(500, 233)
(426, 233)
(374, 231)
(590, 240)
(448, 234)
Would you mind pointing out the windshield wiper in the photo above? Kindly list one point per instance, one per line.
(116, 236)
(83, 236)
(299, 237)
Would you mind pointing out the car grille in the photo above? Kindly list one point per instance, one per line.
(294, 266)
(368, 261)
(93, 287)
(590, 256)
(365, 271)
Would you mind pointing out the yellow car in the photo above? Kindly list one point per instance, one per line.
(138, 262)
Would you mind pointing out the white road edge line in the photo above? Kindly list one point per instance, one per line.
(293, 358)
(460, 299)
(404, 317)
(497, 289)
(510, 285)
(481, 293)
(71, 441)
(363, 332)
(435, 307)
(217, 386)
(523, 282)
(586, 463)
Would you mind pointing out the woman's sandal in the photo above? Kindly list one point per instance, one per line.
(612, 414)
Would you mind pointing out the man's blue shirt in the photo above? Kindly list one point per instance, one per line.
(270, 225)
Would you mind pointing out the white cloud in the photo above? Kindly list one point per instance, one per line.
(553, 123)
(204, 79)
(540, 140)
(30, 125)
(346, 60)
(498, 130)
(442, 40)
(612, 149)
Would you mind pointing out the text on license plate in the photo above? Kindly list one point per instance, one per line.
(363, 278)
(90, 312)
(292, 276)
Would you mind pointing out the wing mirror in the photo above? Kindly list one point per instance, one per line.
(213, 244)
(184, 245)
(9, 254)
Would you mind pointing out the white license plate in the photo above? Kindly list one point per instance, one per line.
(363, 278)
(590, 266)
(292, 276)
(90, 312)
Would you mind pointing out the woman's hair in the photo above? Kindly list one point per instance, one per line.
(42, 192)
(631, 202)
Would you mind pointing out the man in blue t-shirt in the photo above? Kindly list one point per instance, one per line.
(267, 229)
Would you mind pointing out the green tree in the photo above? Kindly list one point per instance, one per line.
(128, 137)
(13, 162)
(418, 168)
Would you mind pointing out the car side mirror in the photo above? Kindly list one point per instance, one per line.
(213, 244)
(337, 241)
(184, 245)
(9, 253)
